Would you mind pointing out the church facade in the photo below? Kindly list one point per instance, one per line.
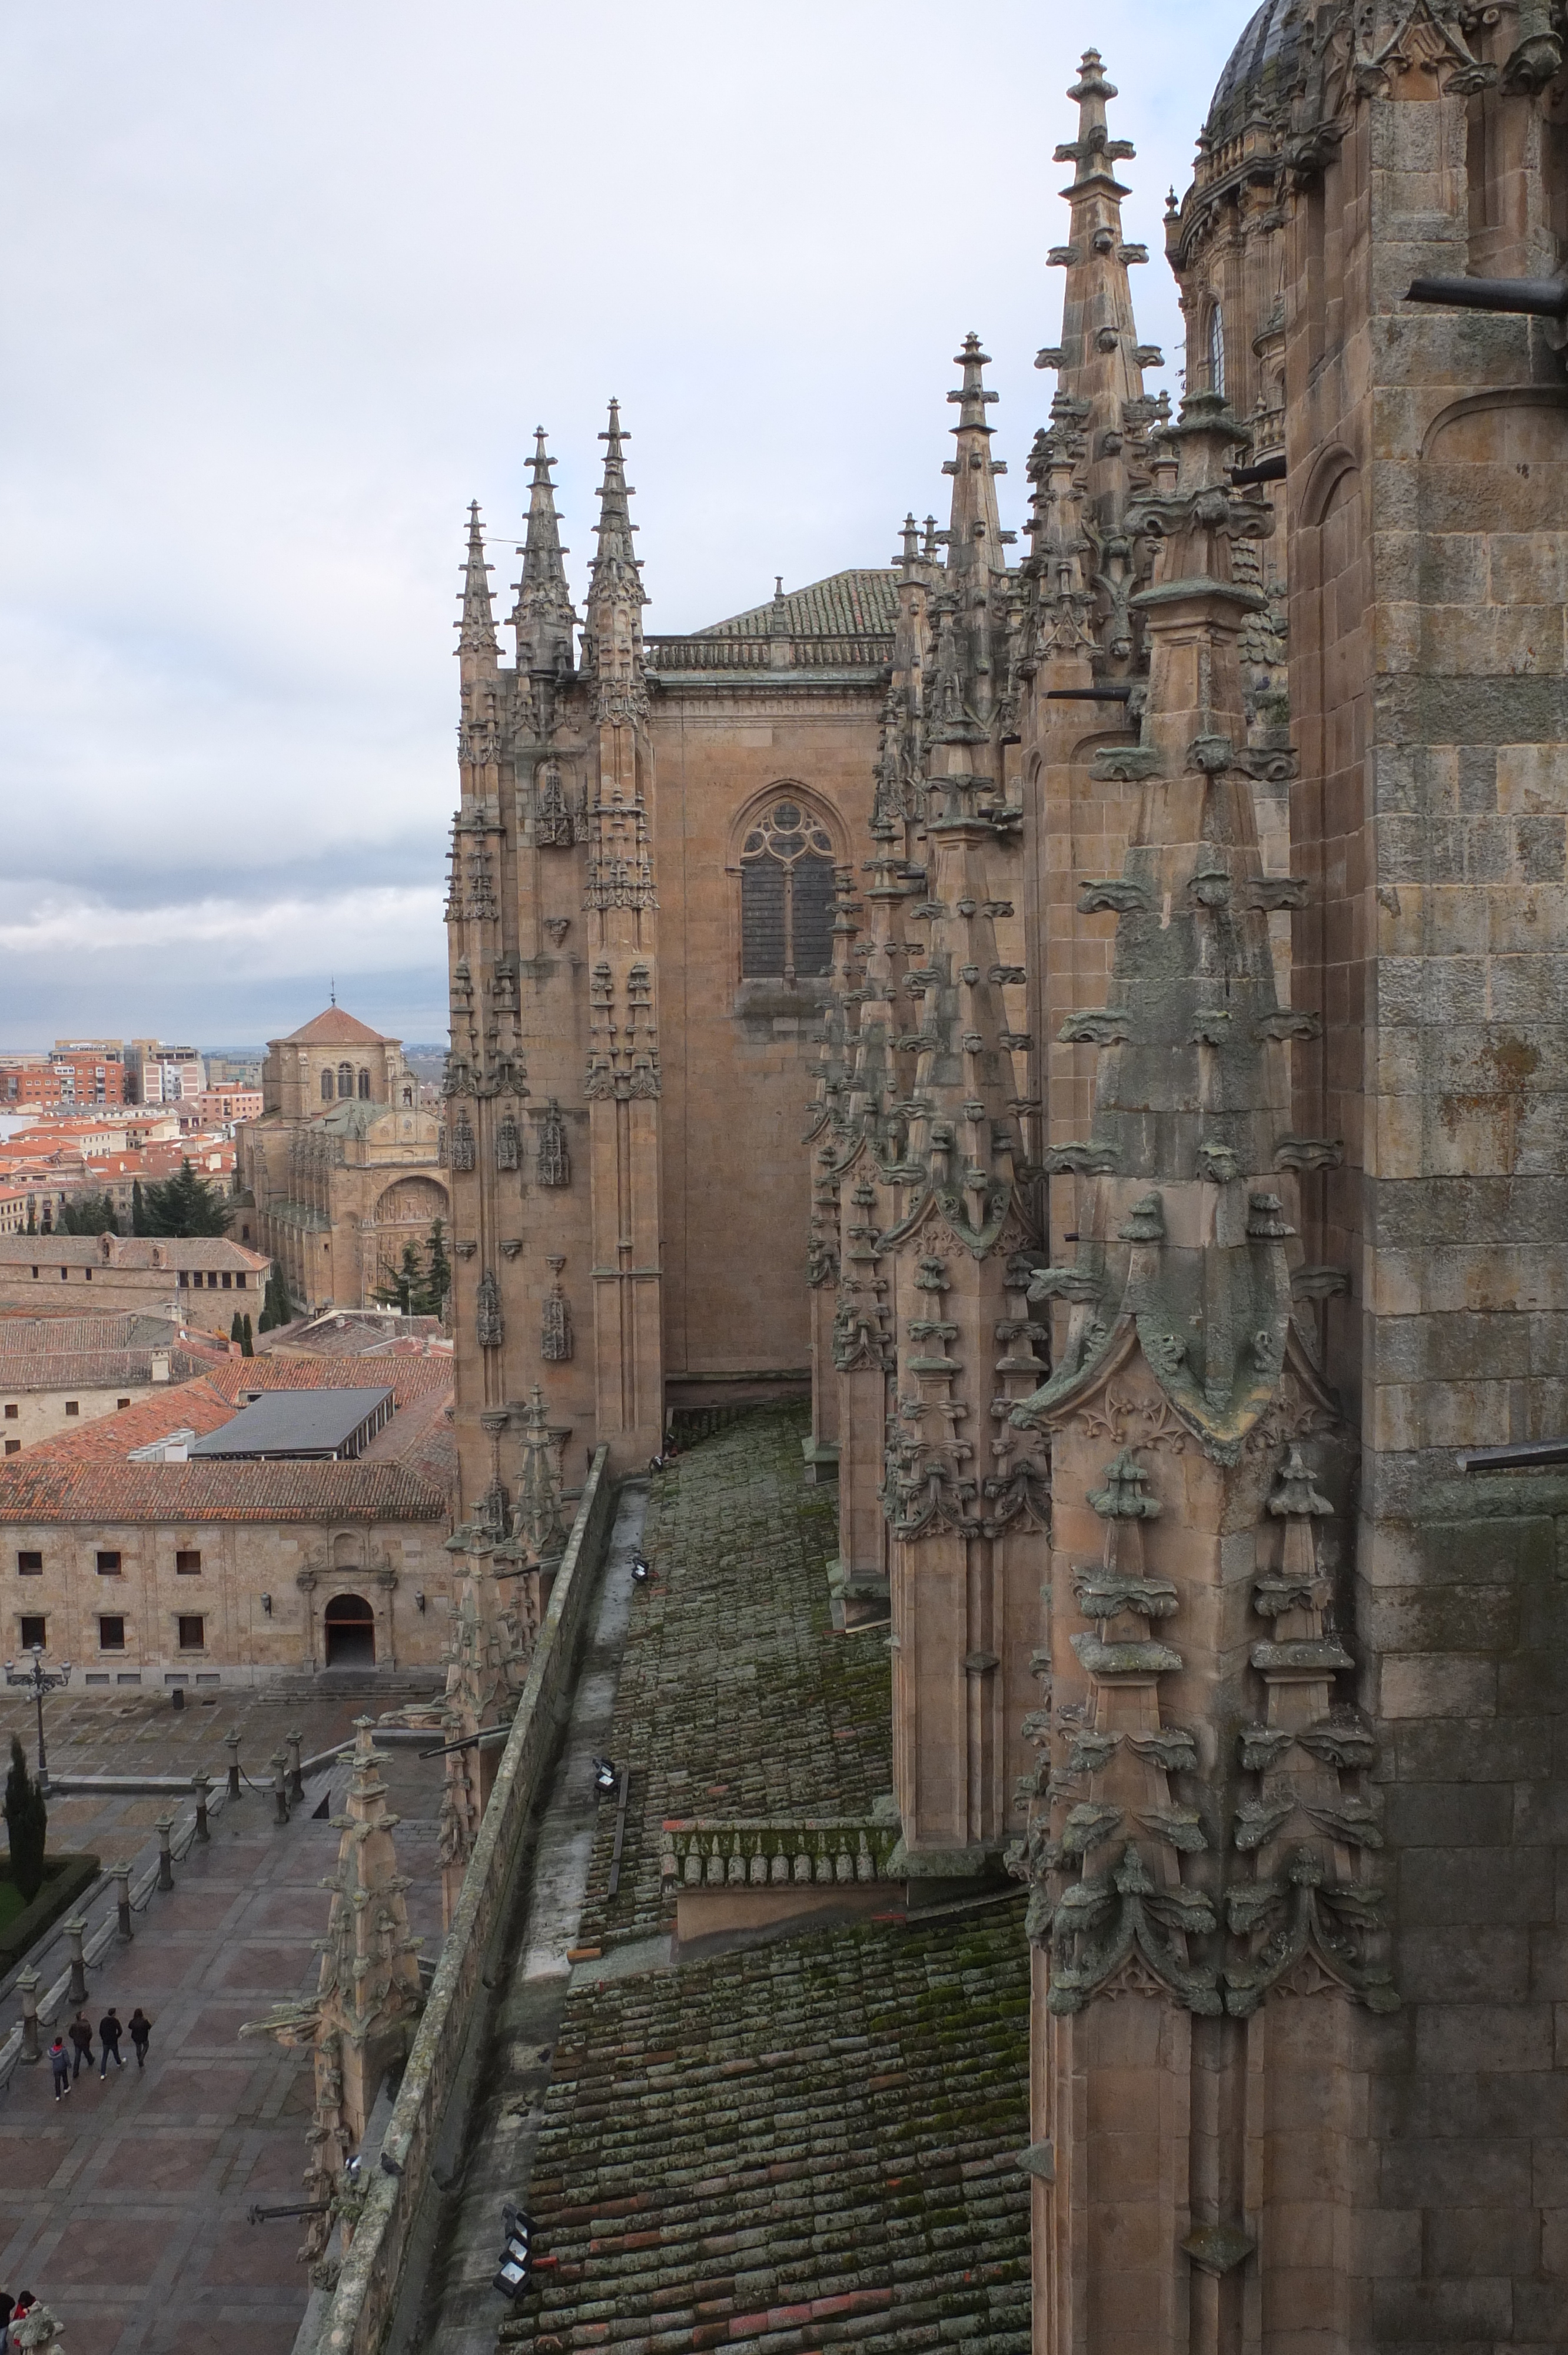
(344, 1166)
(1154, 934)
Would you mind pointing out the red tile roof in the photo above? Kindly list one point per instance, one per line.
(422, 1439)
(133, 1252)
(34, 1492)
(88, 1353)
(406, 1378)
(196, 1406)
(333, 1027)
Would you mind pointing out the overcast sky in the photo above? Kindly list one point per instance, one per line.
(281, 288)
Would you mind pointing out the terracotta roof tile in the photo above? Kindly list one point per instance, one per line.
(33, 1492)
(406, 1378)
(198, 1406)
(333, 1027)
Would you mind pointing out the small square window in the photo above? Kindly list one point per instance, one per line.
(109, 1565)
(110, 1634)
(33, 1633)
(12, 1412)
(73, 1406)
(240, 1279)
(29, 1563)
(227, 1280)
(121, 1402)
(193, 1632)
(13, 1447)
(187, 1562)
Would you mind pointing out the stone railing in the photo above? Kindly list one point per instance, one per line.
(363, 2305)
(706, 1854)
(851, 651)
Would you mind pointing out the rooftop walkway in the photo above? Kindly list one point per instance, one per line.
(791, 2146)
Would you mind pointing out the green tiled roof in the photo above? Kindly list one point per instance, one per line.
(844, 604)
(806, 2146)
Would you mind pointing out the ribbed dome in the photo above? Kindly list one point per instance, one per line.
(1258, 70)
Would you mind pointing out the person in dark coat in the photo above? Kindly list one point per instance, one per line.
(109, 2033)
(59, 2061)
(81, 2034)
(141, 2035)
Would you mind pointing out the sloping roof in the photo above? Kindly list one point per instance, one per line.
(844, 604)
(195, 1405)
(93, 1353)
(134, 1252)
(406, 1378)
(1258, 72)
(359, 1333)
(423, 1438)
(33, 1491)
(333, 1027)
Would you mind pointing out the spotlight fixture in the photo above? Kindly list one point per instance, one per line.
(604, 1774)
(641, 1568)
(517, 2256)
(266, 1604)
(420, 1599)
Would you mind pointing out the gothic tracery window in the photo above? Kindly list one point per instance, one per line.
(364, 1087)
(345, 1079)
(326, 1087)
(786, 895)
(1217, 350)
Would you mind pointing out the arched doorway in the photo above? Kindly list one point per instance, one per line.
(350, 1633)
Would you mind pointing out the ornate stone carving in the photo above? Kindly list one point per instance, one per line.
(490, 1329)
(508, 1144)
(460, 1143)
(553, 1165)
(555, 1338)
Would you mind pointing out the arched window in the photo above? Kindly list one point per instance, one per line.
(785, 896)
(1217, 350)
(407, 1095)
(326, 1087)
(364, 1087)
(345, 1079)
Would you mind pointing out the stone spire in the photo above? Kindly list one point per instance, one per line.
(1095, 452)
(543, 616)
(478, 650)
(613, 626)
(974, 528)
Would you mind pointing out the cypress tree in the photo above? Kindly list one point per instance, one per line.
(246, 1343)
(236, 1327)
(27, 1826)
(437, 1272)
(139, 1209)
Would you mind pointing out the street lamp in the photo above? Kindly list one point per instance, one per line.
(40, 1680)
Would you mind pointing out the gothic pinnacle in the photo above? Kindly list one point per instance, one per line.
(476, 630)
(543, 616)
(974, 536)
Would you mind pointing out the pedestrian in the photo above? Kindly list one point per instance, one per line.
(59, 2061)
(81, 2037)
(141, 2035)
(109, 2033)
(19, 2314)
(6, 2303)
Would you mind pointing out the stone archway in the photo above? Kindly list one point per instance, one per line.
(350, 1625)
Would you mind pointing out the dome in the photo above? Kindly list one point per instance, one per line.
(1257, 72)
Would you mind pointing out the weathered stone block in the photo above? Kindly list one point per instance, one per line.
(1437, 1685)
(1442, 1886)
(1477, 1964)
(1491, 2035)
(1442, 2311)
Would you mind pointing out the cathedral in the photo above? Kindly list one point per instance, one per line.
(1084, 1006)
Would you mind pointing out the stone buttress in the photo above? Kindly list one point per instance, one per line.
(924, 1143)
(1202, 1851)
(361, 2017)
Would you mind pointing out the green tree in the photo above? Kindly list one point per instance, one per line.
(247, 1340)
(438, 1274)
(32, 1221)
(138, 1209)
(93, 1214)
(185, 1205)
(276, 1306)
(402, 1290)
(26, 1825)
(236, 1327)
